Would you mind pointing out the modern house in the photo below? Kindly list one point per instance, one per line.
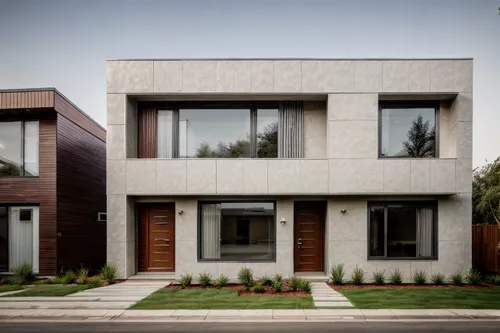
(52, 183)
(289, 165)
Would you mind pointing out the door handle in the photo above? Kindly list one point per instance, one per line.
(299, 242)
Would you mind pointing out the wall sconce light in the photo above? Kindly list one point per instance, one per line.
(283, 221)
(180, 211)
(343, 211)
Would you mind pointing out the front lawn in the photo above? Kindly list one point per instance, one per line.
(219, 299)
(439, 298)
(5, 288)
(51, 290)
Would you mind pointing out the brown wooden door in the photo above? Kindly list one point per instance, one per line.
(157, 238)
(309, 236)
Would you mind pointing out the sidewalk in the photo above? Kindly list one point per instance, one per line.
(88, 315)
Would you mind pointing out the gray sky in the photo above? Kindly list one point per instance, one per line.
(65, 44)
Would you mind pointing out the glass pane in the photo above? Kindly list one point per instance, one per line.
(408, 132)
(425, 220)
(267, 133)
(401, 231)
(4, 244)
(377, 240)
(31, 148)
(209, 133)
(165, 121)
(10, 149)
(25, 215)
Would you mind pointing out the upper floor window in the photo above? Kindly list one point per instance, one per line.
(19, 148)
(408, 130)
(218, 130)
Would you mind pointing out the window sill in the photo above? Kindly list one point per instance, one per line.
(400, 259)
(238, 260)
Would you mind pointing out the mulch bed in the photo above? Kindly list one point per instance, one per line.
(240, 288)
(405, 286)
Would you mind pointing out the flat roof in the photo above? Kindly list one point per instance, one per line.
(235, 59)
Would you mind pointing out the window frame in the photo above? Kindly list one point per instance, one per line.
(435, 104)
(416, 204)
(175, 107)
(235, 260)
(23, 150)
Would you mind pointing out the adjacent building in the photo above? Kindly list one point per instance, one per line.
(52, 183)
(289, 166)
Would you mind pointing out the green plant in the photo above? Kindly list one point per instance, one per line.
(266, 280)
(185, 280)
(438, 278)
(305, 286)
(396, 277)
(23, 273)
(83, 274)
(58, 280)
(205, 279)
(277, 286)
(109, 273)
(473, 277)
(294, 283)
(278, 277)
(245, 276)
(419, 276)
(337, 274)
(222, 281)
(96, 281)
(358, 276)
(379, 277)
(259, 289)
(457, 278)
(43, 281)
(69, 277)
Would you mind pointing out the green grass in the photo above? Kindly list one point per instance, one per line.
(219, 299)
(439, 298)
(51, 290)
(5, 288)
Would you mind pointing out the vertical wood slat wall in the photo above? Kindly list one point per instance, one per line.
(485, 257)
(291, 129)
(147, 135)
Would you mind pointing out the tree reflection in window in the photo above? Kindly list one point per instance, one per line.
(421, 139)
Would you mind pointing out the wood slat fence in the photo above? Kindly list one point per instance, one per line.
(485, 257)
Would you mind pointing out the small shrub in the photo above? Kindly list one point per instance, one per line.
(96, 281)
(222, 281)
(493, 279)
(277, 286)
(278, 277)
(83, 274)
(358, 276)
(305, 286)
(294, 283)
(419, 276)
(337, 274)
(58, 280)
(23, 273)
(438, 279)
(205, 279)
(379, 277)
(245, 276)
(259, 289)
(457, 278)
(185, 280)
(396, 277)
(69, 277)
(473, 277)
(109, 273)
(266, 280)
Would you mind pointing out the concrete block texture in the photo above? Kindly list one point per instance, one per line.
(312, 76)
(168, 76)
(353, 139)
(338, 76)
(129, 76)
(441, 76)
(287, 76)
(201, 176)
(352, 106)
(115, 142)
(140, 176)
(262, 76)
(462, 75)
(116, 109)
(356, 176)
(199, 76)
(315, 129)
(368, 76)
(171, 176)
(230, 176)
(395, 75)
(419, 76)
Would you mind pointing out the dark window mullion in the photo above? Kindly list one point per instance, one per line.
(175, 133)
(253, 132)
(386, 214)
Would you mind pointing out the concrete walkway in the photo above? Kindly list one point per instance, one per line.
(330, 315)
(115, 296)
(326, 297)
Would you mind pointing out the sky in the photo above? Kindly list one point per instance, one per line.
(65, 43)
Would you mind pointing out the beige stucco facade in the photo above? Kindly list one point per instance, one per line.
(341, 163)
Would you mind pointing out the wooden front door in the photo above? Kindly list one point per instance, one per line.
(157, 238)
(309, 225)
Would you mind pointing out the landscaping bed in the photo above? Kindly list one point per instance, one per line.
(405, 286)
(268, 290)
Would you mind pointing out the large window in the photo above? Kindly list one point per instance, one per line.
(402, 230)
(408, 130)
(237, 231)
(19, 148)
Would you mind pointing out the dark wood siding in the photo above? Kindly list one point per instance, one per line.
(27, 99)
(81, 188)
(147, 133)
(39, 191)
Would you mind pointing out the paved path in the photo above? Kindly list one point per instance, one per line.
(331, 315)
(115, 296)
(326, 297)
